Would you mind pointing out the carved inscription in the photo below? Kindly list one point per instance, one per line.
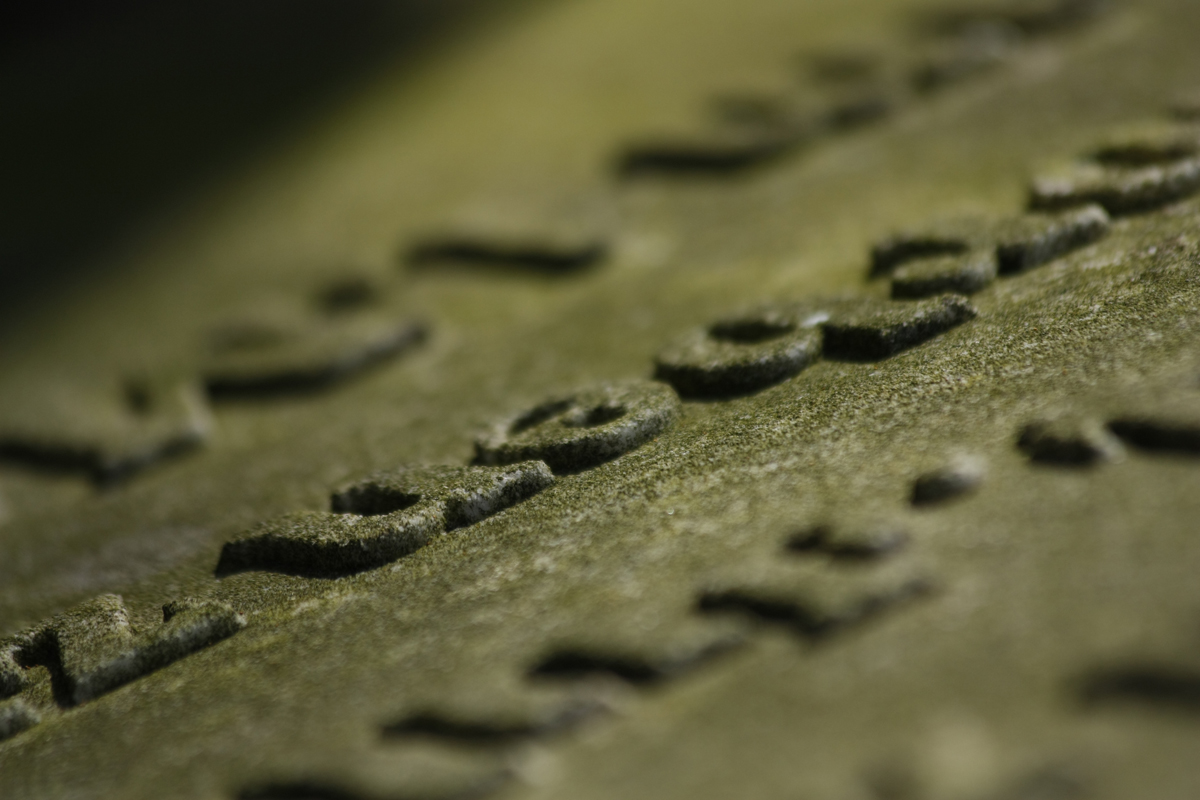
(853, 542)
(1161, 686)
(715, 154)
(878, 330)
(643, 663)
(816, 608)
(1069, 440)
(753, 130)
(742, 354)
(957, 274)
(386, 517)
(964, 256)
(960, 476)
(266, 357)
(582, 429)
(92, 649)
(106, 432)
(545, 255)
(495, 731)
(1132, 172)
(1167, 426)
(16, 716)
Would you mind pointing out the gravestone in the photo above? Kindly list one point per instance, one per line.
(831, 431)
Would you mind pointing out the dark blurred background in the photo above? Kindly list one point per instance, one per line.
(111, 111)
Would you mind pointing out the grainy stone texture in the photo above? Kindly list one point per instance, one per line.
(742, 354)
(12, 675)
(1032, 240)
(875, 331)
(748, 594)
(381, 519)
(584, 428)
(467, 494)
(954, 236)
(958, 274)
(1119, 189)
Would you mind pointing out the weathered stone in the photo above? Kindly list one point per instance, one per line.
(958, 274)
(107, 430)
(384, 518)
(253, 358)
(1070, 440)
(955, 236)
(779, 519)
(960, 476)
(1033, 239)
(741, 354)
(542, 256)
(1161, 143)
(584, 428)
(876, 331)
(850, 540)
(16, 716)
(1120, 190)
(467, 494)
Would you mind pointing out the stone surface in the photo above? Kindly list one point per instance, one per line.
(961, 475)
(92, 649)
(384, 518)
(105, 428)
(876, 330)
(743, 602)
(16, 716)
(1070, 440)
(856, 541)
(264, 357)
(539, 255)
(1032, 240)
(584, 428)
(1120, 190)
(1162, 425)
(741, 354)
(957, 274)
(949, 237)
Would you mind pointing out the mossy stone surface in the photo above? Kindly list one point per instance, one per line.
(998, 644)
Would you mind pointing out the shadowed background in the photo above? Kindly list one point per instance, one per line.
(115, 111)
